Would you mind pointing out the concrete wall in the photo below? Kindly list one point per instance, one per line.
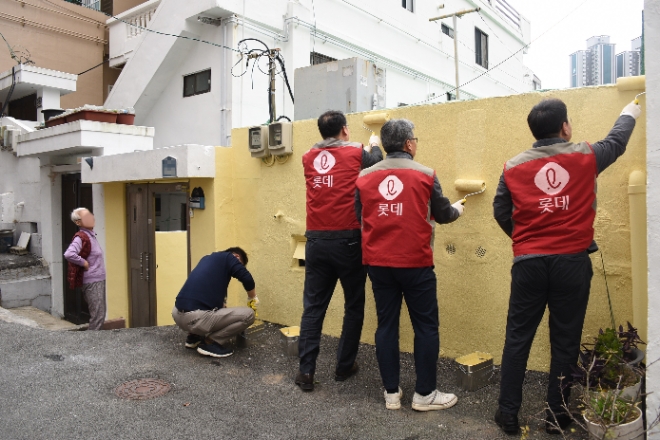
(652, 34)
(56, 50)
(467, 140)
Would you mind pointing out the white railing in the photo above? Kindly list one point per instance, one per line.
(507, 11)
(126, 27)
(92, 4)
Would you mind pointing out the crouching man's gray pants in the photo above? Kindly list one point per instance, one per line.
(219, 325)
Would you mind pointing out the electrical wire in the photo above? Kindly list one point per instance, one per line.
(11, 90)
(506, 59)
(92, 68)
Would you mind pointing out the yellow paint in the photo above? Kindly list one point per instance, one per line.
(116, 252)
(461, 140)
(639, 251)
(291, 332)
(262, 209)
(470, 360)
(171, 272)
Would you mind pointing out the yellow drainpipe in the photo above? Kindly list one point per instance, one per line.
(638, 250)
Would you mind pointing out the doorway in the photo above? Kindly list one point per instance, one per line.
(75, 194)
(154, 208)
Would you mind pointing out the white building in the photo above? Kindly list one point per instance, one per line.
(629, 63)
(417, 55)
(594, 66)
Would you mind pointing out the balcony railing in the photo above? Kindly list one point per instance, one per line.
(91, 4)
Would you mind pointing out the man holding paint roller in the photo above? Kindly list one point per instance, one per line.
(398, 200)
(546, 203)
(332, 251)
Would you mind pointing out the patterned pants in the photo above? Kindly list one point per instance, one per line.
(95, 297)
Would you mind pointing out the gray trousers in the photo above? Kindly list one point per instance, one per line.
(95, 297)
(219, 325)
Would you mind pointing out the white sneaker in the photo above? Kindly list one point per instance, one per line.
(434, 401)
(393, 400)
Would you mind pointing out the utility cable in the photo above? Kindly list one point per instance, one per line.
(92, 68)
(11, 91)
(506, 59)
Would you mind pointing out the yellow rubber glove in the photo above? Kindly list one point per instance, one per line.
(253, 303)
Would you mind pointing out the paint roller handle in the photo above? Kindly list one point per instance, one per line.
(633, 109)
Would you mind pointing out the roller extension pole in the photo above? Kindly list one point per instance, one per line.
(456, 56)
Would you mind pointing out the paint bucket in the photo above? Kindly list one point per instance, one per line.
(250, 334)
(289, 340)
(6, 239)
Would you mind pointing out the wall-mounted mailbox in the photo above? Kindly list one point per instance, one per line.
(197, 198)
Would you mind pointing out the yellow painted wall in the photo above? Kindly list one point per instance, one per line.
(116, 255)
(466, 140)
(202, 228)
(171, 272)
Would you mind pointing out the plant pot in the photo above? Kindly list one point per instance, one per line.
(55, 121)
(51, 113)
(93, 115)
(639, 357)
(125, 118)
(627, 431)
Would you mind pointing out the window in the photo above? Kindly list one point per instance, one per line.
(319, 58)
(447, 30)
(481, 48)
(197, 83)
(407, 4)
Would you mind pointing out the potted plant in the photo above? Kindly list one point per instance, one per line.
(612, 362)
(608, 416)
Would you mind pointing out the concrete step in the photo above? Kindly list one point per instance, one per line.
(33, 317)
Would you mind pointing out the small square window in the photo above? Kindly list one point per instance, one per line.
(197, 83)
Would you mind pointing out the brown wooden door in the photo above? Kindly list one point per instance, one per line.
(75, 194)
(140, 255)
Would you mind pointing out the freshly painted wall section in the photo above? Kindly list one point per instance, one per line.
(460, 140)
(171, 272)
(116, 252)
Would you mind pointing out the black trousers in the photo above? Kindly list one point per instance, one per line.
(418, 286)
(326, 261)
(562, 283)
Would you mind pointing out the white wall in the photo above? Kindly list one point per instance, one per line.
(152, 80)
(652, 37)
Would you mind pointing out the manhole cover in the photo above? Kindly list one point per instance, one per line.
(142, 389)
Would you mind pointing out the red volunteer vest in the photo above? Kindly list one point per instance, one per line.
(553, 189)
(396, 224)
(330, 174)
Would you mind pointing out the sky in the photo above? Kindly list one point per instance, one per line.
(548, 56)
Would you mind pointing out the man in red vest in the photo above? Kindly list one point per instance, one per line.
(332, 251)
(546, 203)
(399, 201)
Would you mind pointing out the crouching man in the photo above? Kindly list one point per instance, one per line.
(200, 307)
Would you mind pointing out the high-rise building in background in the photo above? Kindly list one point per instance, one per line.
(628, 63)
(594, 66)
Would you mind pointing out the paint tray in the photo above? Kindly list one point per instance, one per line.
(475, 371)
(250, 334)
(289, 340)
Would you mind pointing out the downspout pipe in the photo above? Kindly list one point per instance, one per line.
(638, 251)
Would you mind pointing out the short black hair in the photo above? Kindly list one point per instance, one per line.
(330, 123)
(239, 251)
(394, 134)
(547, 118)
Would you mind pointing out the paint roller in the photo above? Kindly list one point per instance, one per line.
(472, 187)
(375, 119)
(629, 83)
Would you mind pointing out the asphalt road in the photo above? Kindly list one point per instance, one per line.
(60, 385)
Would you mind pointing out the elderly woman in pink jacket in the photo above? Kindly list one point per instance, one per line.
(86, 266)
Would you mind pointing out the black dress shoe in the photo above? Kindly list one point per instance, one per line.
(557, 427)
(508, 422)
(305, 381)
(341, 376)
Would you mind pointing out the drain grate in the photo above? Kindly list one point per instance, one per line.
(54, 357)
(451, 249)
(481, 252)
(142, 389)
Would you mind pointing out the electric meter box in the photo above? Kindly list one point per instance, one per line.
(280, 138)
(258, 141)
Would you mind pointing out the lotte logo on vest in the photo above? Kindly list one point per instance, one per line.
(391, 187)
(552, 178)
(324, 162)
